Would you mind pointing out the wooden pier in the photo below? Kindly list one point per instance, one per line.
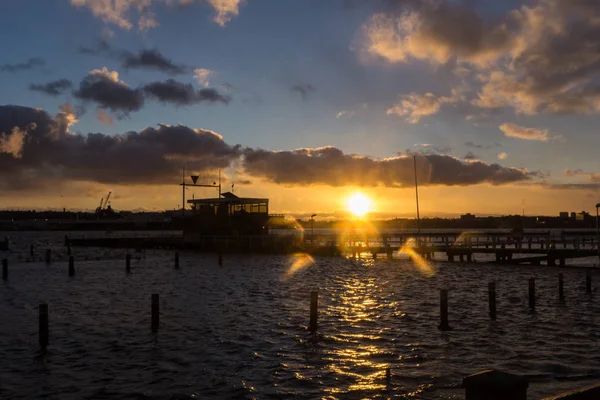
(503, 247)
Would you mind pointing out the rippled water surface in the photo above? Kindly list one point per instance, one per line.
(240, 330)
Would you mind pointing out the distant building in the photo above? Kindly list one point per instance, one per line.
(574, 216)
(468, 217)
(564, 215)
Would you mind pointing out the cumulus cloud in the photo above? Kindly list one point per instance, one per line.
(519, 132)
(12, 142)
(203, 75)
(591, 176)
(151, 156)
(502, 156)
(24, 66)
(151, 59)
(305, 89)
(415, 106)
(330, 166)
(225, 10)
(104, 117)
(172, 91)
(103, 87)
(54, 88)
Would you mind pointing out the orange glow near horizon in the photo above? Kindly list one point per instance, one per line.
(358, 204)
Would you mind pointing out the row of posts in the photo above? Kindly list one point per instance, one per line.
(444, 324)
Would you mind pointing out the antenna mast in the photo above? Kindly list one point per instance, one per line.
(417, 196)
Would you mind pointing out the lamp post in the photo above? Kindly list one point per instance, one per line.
(597, 232)
(312, 228)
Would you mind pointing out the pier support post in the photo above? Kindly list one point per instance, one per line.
(588, 282)
(469, 257)
(314, 311)
(444, 326)
(31, 250)
(450, 257)
(155, 312)
(128, 263)
(71, 266)
(220, 258)
(374, 255)
(532, 293)
(43, 325)
(177, 260)
(492, 299)
(388, 375)
(495, 385)
(390, 254)
(48, 256)
(462, 258)
(561, 289)
(5, 269)
(562, 261)
(69, 249)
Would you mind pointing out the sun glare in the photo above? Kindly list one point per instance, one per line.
(358, 204)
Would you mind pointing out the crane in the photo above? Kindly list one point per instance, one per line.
(106, 203)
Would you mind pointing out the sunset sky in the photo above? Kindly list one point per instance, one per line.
(304, 102)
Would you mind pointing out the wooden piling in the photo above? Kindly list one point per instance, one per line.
(69, 249)
(155, 312)
(177, 260)
(492, 299)
(588, 282)
(5, 269)
(388, 375)
(444, 326)
(48, 256)
(314, 311)
(220, 258)
(561, 290)
(71, 266)
(128, 263)
(31, 250)
(532, 293)
(44, 335)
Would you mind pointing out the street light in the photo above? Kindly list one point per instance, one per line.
(597, 232)
(312, 228)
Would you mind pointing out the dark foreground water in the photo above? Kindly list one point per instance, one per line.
(239, 331)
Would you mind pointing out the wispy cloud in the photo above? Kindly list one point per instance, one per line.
(54, 88)
(519, 132)
(23, 66)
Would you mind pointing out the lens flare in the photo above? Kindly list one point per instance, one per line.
(409, 249)
(298, 262)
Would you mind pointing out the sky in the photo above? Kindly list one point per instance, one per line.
(303, 102)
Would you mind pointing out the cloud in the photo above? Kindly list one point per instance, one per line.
(53, 88)
(104, 117)
(470, 156)
(591, 176)
(203, 75)
(502, 156)
(24, 66)
(151, 59)
(226, 10)
(171, 91)
(519, 132)
(344, 113)
(305, 89)
(147, 21)
(415, 106)
(330, 166)
(481, 146)
(100, 47)
(12, 142)
(150, 156)
(103, 87)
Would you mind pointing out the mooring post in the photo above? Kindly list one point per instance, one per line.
(532, 293)
(66, 240)
(177, 260)
(155, 312)
(43, 324)
(71, 266)
(69, 249)
(314, 311)
(444, 326)
(492, 299)
(588, 282)
(220, 258)
(561, 290)
(31, 250)
(388, 375)
(5, 269)
(128, 263)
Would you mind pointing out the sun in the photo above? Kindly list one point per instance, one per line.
(358, 204)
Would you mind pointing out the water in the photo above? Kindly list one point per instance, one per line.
(239, 331)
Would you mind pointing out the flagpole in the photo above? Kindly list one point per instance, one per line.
(417, 197)
(183, 192)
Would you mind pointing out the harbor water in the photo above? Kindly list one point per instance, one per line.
(240, 330)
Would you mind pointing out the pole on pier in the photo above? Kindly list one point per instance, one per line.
(69, 249)
(588, 282)
(561, 290)
(71, 266)
(43, 325)
(177, 260)
(155, 312)
(48, 256)
(417, 197)
(31, 250)
(492, 299)
(128, 263)
(5, 269)
(444, 326)
(532, 293)
(314, 311)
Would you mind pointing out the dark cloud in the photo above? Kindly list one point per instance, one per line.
(53, 88)
(24, 66)
(305, 89)
(101, 47)
(104, 88)
(152, 59)
(482, 146)
(330, 166)
(151, 156)
(172, 91)
(470, 156)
